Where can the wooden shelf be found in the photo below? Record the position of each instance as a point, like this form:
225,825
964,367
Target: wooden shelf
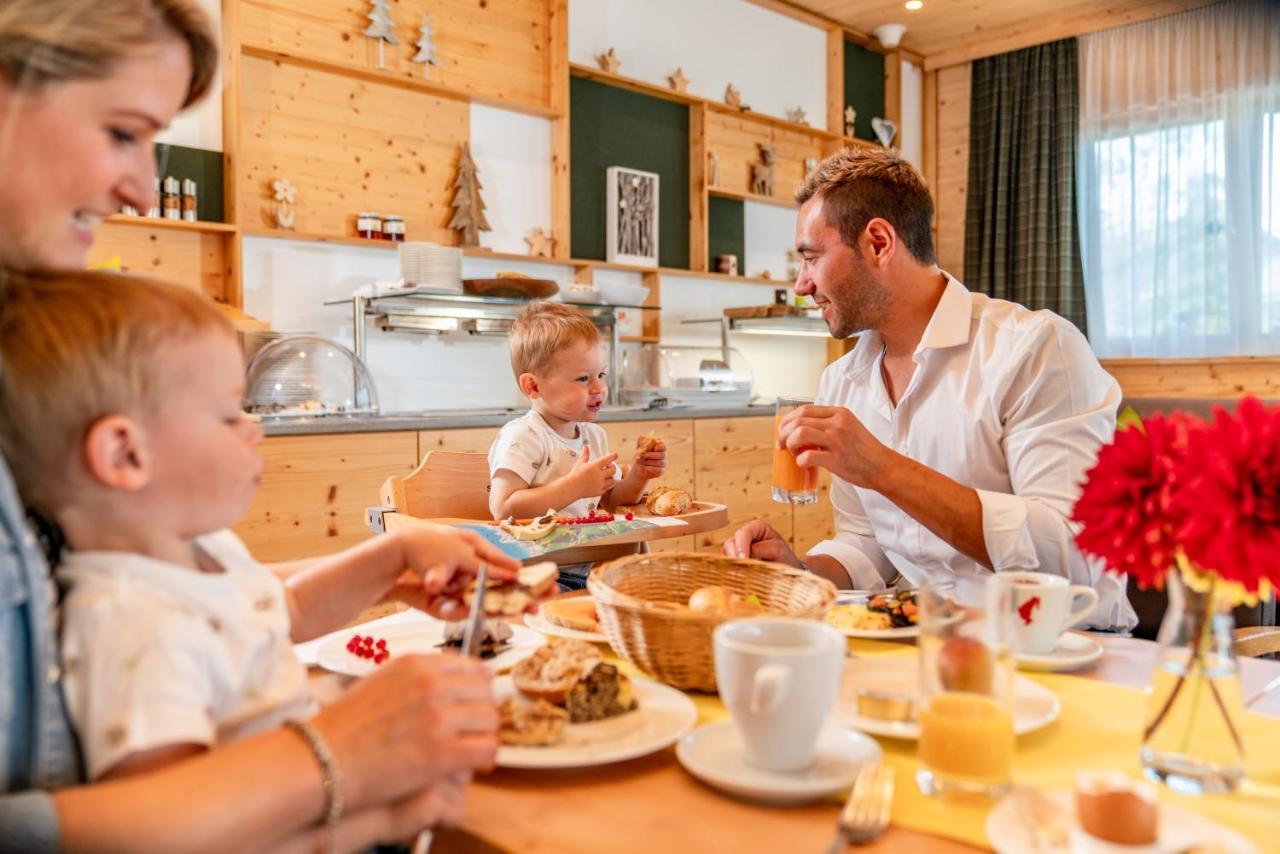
724,277
751,197
373,75
171,224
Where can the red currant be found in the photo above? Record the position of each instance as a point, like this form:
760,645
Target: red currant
629,517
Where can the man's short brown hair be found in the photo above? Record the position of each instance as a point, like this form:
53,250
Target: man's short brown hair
859,184
544,329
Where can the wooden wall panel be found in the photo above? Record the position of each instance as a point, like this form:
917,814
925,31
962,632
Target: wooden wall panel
952,178
474,440
734,466
734,139
1223,377
348,145
495,50
195,259
315,490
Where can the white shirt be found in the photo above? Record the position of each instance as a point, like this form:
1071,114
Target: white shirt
156,654
539,455
1007,401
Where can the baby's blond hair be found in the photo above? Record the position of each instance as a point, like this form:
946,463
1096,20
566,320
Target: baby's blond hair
76,346
544,329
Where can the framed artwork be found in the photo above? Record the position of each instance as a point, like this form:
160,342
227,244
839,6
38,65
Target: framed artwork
631,235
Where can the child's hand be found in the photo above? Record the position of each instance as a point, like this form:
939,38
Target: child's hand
592,477
439,564
653,463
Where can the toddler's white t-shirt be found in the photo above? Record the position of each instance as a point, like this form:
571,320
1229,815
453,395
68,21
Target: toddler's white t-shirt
538,454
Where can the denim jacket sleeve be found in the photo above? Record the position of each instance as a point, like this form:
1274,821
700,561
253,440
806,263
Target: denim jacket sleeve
38,752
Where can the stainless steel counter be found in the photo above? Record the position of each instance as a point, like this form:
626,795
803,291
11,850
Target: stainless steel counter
461,418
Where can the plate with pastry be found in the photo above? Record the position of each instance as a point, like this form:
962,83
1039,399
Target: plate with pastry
573,616
891,615
564,706
358,653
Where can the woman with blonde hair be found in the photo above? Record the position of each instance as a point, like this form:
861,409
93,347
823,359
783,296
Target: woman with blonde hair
85,85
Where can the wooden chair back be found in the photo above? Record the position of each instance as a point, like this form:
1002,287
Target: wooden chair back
1257,640
446,484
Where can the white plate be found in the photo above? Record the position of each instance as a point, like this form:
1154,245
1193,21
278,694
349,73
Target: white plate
1180,830
539,623
1034,706
713,754
860,597
663,717
412,638
1072,652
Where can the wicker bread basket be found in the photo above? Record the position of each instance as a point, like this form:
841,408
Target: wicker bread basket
641,601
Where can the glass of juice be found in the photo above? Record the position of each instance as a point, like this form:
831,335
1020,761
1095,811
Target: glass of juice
792,483
966,687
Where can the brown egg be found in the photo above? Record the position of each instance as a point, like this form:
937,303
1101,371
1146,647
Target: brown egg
1114,809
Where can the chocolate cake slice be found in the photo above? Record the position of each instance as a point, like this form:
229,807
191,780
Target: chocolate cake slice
601,693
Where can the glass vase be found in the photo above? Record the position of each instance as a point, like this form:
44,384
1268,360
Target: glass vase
1191,740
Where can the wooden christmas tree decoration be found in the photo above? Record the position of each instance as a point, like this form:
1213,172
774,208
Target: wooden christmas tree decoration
678,81
468,208
609,61
426,48
539,242
381,27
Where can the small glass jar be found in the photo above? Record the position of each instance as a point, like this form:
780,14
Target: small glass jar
188,200
171,198
369,225
393,228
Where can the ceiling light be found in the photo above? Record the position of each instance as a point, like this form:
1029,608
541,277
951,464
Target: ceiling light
913,5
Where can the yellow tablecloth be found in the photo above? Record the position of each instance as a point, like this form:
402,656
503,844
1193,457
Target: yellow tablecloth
1099,728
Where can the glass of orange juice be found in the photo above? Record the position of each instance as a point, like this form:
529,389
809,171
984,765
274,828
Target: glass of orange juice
792,483
966,686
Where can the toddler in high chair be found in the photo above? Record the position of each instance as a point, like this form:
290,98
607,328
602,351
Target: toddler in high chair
120,415
555,456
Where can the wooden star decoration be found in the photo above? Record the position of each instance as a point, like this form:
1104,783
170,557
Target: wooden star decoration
678,81
609,61
797,116
540,242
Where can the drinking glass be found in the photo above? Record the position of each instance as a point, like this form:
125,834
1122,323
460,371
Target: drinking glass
966,686
792,483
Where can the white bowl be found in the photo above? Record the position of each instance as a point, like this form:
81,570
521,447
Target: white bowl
585,295
619,293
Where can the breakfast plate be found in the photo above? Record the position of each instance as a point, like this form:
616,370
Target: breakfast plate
420,636
714,755
1011,830
1071,652
664,715
850,614
1034,706
539,623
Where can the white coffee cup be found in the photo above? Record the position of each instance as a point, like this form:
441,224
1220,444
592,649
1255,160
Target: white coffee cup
779,678
1043,603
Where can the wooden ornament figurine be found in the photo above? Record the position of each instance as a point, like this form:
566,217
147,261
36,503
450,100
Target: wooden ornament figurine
797,116
762,172
609,61
285,195
678,81
849,115
468,208
426,47
381,27
733,98
539,242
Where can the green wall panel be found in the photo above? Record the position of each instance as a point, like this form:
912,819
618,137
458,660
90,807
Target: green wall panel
613,127
726,232
863,87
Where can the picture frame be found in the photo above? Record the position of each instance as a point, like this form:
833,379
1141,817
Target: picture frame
631,234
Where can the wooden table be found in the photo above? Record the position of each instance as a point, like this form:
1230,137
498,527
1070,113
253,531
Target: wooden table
652,804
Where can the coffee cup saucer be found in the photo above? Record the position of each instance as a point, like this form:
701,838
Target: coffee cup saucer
714,754
1071,652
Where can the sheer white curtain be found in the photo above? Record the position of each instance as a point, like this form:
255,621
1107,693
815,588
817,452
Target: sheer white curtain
1179,183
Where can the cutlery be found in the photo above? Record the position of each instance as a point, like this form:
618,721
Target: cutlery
1266,689
866,813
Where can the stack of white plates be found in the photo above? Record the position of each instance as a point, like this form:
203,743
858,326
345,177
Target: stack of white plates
430,265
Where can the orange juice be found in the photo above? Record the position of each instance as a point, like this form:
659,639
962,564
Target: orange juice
967,738
792,483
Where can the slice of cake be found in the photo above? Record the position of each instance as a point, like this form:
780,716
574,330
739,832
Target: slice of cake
601,693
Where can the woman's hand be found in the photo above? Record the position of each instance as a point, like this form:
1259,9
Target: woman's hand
439,564
417,722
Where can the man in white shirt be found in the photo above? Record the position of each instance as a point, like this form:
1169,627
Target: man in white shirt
959,428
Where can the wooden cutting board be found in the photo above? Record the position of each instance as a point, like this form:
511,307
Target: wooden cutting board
511,287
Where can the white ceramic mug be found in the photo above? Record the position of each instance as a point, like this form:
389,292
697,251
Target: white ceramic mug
1043,604
779,678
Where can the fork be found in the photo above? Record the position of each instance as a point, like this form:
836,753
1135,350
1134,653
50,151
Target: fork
866,813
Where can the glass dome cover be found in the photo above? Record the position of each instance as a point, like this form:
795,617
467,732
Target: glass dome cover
309,376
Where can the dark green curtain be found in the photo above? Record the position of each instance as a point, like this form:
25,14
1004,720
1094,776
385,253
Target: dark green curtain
1022,240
